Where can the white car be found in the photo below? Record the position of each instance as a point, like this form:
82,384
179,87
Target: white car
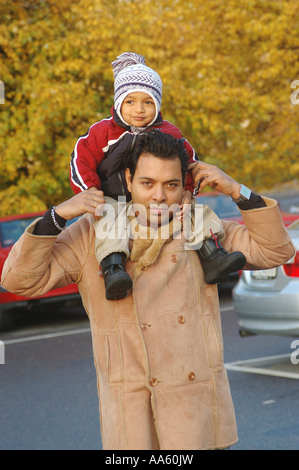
267,301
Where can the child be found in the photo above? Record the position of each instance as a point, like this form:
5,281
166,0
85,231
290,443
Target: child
99,161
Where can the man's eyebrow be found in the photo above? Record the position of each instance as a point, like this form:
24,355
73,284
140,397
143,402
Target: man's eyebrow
173,180
145,178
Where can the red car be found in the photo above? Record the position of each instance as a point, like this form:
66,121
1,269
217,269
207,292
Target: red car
11,228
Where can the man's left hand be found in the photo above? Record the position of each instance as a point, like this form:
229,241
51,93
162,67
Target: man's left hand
211,175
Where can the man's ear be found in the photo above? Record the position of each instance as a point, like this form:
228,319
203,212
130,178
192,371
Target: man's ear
128,179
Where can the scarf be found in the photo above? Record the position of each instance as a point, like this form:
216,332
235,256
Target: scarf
148,242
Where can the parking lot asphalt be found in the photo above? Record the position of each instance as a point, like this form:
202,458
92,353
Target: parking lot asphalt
48,390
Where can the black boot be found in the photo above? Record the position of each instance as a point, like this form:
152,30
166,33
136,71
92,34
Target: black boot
117,281
217,263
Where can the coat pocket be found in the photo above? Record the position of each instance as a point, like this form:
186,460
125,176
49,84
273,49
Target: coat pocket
113,358
107,357
213,342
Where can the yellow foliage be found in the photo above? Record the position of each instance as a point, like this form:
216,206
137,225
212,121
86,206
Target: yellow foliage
227,69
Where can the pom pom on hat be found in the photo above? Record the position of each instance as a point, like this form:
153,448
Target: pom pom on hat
126,60
132,75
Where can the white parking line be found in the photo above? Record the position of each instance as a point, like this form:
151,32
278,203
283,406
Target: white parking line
47,336
252,366
227,308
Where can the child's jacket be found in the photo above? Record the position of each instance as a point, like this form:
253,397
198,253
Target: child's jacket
99,157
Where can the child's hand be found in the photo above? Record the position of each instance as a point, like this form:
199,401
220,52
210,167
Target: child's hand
100,208
185,204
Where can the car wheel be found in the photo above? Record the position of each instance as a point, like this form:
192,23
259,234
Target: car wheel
6,321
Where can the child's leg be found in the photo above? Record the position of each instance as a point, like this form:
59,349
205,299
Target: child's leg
112,248
199,224
111,230
216,262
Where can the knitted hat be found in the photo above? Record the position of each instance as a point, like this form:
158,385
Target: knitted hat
132,75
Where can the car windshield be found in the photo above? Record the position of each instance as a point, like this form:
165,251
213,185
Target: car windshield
222,205
11,230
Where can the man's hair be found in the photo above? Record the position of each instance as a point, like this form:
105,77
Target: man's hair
160,145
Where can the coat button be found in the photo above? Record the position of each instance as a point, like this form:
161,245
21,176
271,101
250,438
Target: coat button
144,326
181,319
174,258
153,382
191,376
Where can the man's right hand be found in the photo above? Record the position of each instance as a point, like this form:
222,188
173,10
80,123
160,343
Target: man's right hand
86,201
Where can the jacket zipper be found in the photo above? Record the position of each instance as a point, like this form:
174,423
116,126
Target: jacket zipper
121,182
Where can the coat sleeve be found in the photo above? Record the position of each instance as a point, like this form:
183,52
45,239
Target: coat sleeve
37,264
85,160
263,238
192,158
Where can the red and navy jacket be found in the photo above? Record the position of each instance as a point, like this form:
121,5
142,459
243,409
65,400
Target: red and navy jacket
99,155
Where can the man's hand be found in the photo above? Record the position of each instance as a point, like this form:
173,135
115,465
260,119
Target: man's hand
211,175
86,201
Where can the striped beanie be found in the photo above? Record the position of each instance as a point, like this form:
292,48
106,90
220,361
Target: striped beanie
132,75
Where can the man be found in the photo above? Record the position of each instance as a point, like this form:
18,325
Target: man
158,352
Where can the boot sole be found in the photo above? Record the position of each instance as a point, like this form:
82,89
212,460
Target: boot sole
118,286
215,278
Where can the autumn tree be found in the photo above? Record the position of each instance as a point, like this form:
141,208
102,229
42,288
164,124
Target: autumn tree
227,69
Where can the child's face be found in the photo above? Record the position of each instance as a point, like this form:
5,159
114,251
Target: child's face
138,109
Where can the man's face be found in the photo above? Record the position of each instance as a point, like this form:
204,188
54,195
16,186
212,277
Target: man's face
138,109
156,186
